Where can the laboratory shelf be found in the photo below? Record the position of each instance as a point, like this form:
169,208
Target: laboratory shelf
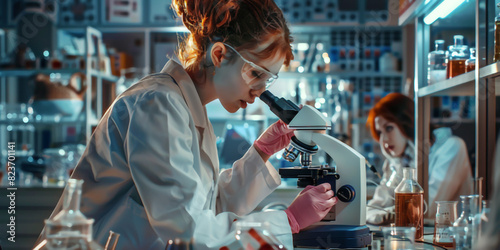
104,76
29,72
339,74
45,122
490,71
461,85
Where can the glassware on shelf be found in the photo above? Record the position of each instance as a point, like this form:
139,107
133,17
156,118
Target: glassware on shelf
69,229
24,58
128,77
496,56
445,216
319,64
470,64
56,61
437,63
456,56
56,171
410,203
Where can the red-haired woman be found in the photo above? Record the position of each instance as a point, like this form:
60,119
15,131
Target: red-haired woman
391,123
151,171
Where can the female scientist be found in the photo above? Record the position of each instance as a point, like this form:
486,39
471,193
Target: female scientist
391,123
151,171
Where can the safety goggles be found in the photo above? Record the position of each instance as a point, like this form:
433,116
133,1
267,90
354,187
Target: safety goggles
255,76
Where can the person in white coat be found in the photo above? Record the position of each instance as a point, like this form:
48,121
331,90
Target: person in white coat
391,123
151,171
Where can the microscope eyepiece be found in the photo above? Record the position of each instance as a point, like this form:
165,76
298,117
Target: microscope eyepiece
284,109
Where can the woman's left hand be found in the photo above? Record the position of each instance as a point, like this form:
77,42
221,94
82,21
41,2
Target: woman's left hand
275,138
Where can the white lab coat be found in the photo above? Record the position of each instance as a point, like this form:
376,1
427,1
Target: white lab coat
450,176
156,144
450,173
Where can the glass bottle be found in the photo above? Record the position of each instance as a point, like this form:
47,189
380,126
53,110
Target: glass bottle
496,56
456,56
445,216
410,203
437,63
462,226
55,62
470,64
69,229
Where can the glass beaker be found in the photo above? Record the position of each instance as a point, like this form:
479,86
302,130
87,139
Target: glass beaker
396,238
445,216
410,203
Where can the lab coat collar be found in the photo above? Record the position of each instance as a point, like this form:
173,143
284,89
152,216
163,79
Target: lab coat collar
441,135
183,80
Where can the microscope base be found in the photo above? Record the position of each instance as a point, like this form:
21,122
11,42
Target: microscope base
333,236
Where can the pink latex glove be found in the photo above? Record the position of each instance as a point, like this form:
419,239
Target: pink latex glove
275,138
310,206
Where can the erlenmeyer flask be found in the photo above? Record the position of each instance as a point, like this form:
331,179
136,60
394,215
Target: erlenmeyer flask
69,229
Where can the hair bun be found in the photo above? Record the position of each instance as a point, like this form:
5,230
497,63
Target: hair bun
204,17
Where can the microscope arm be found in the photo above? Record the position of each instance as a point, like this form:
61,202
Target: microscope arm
351,168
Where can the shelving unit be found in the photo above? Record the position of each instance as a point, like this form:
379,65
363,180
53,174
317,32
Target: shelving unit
482,84
31,122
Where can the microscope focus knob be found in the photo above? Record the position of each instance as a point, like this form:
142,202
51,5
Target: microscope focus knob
346,193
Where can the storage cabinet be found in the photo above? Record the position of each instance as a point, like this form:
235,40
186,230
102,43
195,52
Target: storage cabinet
474,19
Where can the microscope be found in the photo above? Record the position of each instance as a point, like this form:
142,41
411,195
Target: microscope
345,225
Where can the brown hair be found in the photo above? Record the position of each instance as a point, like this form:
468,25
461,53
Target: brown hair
397,108
244,24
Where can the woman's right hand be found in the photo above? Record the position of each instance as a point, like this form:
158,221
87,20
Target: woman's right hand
310,206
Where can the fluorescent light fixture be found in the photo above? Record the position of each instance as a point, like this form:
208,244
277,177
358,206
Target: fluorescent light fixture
442,10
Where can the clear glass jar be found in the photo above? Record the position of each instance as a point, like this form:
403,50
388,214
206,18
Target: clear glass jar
436,68
410,203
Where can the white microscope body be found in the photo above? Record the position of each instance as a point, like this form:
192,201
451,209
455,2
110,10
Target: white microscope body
345,225
311,127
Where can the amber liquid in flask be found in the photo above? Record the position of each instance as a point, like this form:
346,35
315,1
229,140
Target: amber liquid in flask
409,212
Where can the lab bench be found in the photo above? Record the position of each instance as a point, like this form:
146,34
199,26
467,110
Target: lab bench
32,205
